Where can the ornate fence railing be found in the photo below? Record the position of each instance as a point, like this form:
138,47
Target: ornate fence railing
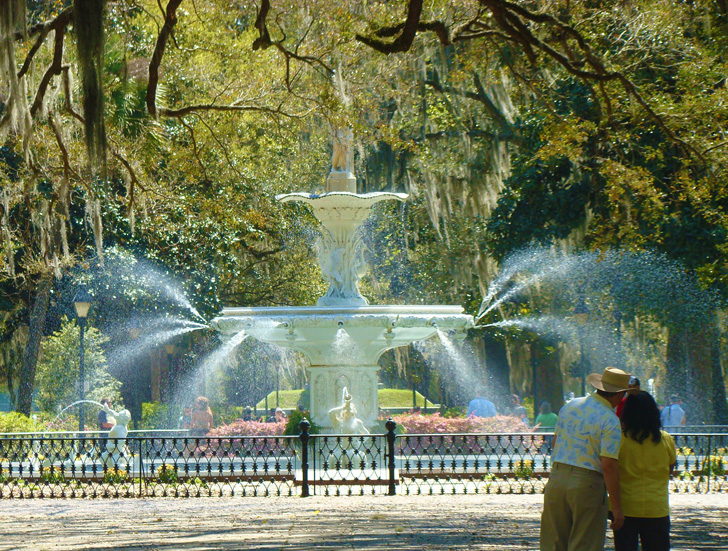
182,466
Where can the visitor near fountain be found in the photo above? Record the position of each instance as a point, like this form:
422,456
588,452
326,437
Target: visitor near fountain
103,423
517,410
585,471
634,388
481,407
673,416
646,459
201,418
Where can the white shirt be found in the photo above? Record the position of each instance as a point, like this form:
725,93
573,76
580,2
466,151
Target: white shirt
672,416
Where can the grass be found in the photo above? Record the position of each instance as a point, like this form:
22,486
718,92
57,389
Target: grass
388,398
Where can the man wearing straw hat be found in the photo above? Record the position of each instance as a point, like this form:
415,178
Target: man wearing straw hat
584,468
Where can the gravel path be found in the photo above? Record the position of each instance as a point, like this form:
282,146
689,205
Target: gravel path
397,523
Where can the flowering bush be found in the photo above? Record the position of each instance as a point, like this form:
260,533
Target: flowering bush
436,424
249,428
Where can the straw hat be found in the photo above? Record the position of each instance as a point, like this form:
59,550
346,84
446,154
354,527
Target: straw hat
611,380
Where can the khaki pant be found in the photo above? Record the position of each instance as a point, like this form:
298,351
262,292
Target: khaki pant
575,510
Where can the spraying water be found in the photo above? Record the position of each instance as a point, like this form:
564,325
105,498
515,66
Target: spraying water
75,404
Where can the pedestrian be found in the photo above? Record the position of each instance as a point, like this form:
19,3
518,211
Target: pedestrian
646,459
201,419
634,387
104,425
517,410
673,416
481,407
584,472
546,421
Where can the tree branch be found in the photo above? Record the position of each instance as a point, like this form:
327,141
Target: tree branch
170,20
407,35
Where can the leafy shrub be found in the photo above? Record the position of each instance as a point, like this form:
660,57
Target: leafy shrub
294,421
167,474
714,465
154,415
17,422
523,468
116,476
4,476
52,475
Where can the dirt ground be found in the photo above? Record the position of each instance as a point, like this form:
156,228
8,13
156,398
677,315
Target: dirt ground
422,523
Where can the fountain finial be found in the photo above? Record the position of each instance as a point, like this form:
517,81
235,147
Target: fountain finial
341,177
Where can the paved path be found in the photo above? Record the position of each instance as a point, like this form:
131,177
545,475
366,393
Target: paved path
398,523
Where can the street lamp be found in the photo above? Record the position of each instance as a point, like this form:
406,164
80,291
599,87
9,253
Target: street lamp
82,303
134,333
581,313
169,348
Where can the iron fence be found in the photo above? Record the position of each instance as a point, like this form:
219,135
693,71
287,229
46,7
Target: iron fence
46,466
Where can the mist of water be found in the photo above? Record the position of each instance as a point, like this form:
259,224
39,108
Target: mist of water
343,346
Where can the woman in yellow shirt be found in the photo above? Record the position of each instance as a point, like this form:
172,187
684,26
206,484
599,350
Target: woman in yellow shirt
646,458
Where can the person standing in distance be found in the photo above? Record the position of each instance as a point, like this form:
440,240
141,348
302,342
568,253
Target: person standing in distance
673,416
584,470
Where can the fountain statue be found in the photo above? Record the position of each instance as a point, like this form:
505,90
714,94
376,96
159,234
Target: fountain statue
344,419
116,450
343,336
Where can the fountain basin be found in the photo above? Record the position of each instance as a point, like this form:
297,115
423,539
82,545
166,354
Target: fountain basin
343,344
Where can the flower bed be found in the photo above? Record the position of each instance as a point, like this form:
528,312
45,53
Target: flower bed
414,423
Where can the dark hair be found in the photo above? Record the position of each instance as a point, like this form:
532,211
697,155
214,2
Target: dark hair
545,407
641,417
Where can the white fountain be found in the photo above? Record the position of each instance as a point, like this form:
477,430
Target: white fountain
343,336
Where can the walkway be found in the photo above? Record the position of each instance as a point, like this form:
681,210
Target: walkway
398,523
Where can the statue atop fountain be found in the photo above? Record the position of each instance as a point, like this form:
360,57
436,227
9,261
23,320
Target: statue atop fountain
344,419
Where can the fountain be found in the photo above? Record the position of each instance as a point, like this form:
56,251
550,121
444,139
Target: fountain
343,336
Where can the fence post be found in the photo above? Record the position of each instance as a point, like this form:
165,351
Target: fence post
304,425
710,465
391,425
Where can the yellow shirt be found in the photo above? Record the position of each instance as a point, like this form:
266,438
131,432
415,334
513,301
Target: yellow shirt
644,471
586,431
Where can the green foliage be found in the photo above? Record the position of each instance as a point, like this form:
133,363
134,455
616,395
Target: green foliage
116,476
294,421
523,468
17,422
154,416
52,475
58,370
167,474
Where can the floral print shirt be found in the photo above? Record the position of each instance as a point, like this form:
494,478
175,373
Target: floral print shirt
586,431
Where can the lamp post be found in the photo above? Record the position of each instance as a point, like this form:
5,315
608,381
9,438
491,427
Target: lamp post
169,348
581,313
134,333
82,303
278,384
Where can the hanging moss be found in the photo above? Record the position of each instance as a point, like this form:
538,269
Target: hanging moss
89,19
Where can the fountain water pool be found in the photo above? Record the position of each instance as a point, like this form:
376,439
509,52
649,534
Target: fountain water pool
316,331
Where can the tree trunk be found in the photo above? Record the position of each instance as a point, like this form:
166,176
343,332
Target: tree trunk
497,367
26,382
691,373
548,381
